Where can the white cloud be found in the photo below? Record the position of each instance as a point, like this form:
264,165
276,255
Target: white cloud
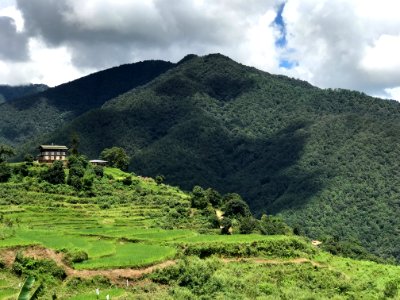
343,43
393,93
346,44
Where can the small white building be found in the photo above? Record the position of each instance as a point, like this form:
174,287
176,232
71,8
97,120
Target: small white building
98,162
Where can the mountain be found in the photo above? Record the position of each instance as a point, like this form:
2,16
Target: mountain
8,92
28,117
325,160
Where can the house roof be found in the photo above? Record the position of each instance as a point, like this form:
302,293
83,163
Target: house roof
53,147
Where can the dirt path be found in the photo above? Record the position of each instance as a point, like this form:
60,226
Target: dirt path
115,275
119,276
300,260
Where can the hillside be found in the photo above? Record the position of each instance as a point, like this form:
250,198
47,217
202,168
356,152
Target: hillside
324,159
143,240
26,118
8,92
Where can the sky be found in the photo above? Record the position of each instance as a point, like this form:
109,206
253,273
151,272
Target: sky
351,44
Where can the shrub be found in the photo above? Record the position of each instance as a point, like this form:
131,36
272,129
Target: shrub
127,180
5,172
160,179
192,273
391,289
226,224
198,199
55,174
272,225
247,225
235,206
74,256
37,267
98,171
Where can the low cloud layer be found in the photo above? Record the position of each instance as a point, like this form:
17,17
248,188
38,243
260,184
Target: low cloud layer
339,44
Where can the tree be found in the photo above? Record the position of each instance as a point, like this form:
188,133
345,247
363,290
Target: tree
236,206
55,174
28,159
198,199
213,197
272,225
74,143
6,152
116,157
160,179
5,172
77,166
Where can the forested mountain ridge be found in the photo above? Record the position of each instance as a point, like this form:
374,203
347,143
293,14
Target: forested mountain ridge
9,92
27,117
324,159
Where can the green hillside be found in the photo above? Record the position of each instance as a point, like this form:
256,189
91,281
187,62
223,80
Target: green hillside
140,239
26,118
324,159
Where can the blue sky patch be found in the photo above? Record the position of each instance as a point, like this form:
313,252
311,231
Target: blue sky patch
280,24
281,41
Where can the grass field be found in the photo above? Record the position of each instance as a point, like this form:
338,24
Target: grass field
147,223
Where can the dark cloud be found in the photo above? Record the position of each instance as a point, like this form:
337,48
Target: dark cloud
13,44
104,33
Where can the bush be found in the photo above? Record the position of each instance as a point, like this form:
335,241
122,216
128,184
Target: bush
98,171
247,225
391,289
235,206
74,256
198,199
226,224
37,267
55,174
271,225
127,180
192,273
5,172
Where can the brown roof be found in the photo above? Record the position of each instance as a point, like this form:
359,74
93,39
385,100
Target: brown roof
53,147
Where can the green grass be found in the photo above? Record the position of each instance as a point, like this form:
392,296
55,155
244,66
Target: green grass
113,293
235,238
130,232
8,293
129,255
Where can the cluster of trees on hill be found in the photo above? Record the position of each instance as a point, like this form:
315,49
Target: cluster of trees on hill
235,213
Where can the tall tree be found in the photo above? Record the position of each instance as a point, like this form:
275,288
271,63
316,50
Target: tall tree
116,157
6,152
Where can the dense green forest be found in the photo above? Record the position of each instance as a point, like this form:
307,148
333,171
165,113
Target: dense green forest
325,160
26,118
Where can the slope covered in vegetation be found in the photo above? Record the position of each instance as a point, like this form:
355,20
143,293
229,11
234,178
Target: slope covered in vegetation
141,239
28,117
324,159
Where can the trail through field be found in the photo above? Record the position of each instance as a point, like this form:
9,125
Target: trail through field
115,275
300,260
119,276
